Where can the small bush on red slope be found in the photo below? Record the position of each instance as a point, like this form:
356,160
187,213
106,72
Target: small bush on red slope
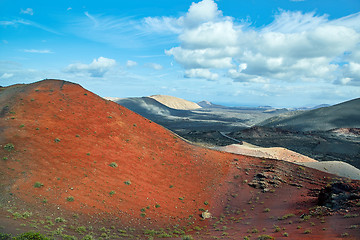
265,237
70,199
187,237
9,146
59,219
113,164
31,236
38,185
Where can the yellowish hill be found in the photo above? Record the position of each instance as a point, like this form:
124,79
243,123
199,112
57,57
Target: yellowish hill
174,102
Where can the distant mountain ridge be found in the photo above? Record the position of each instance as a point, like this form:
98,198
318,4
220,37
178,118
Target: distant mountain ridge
343,115
208,104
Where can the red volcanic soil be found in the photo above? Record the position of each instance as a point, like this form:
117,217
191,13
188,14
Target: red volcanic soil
67,153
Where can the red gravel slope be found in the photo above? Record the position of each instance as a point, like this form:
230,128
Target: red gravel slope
93,157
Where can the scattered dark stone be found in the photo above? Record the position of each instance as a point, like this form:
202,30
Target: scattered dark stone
338,195
4,111
264,179
295,184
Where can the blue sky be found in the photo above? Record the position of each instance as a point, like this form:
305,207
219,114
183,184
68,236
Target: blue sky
284,53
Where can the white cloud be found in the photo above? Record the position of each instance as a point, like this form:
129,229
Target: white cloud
163,24
7,23
124,32
210,35
154,66
37,51
97,68
130,64
203,58
202,12
294,47
201,73
29,11
291,22
17,22
351,74
6,75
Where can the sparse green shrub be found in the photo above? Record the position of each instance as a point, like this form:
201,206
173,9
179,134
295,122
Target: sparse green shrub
264,237
267,210
38,185
286,216
26,214
277,229
187,237
57,140
128,182
113,164
345,234
143,214
285,234
181,198
17,215
157,205
197,228
4,236
22,125
81,229
307,231
112,193
9,146
31,236
70,199
59,219
68,237
351,215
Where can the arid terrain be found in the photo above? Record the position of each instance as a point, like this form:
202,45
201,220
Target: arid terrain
76,166
325,134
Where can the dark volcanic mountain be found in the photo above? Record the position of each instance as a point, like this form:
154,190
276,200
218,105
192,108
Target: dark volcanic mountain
343,115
